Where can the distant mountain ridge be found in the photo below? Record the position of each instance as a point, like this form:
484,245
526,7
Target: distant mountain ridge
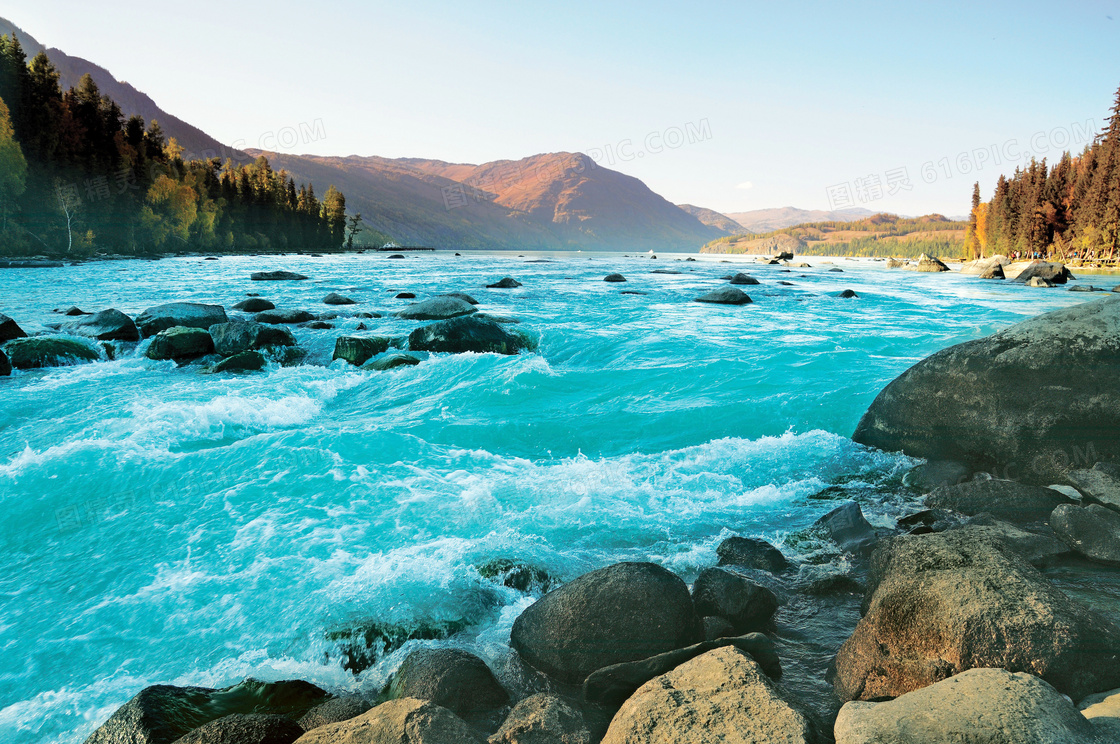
714,219
765,220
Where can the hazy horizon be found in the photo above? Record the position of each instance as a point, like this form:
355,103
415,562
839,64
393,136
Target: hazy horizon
817,108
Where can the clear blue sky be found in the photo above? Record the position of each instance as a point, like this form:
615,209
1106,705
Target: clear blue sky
785,99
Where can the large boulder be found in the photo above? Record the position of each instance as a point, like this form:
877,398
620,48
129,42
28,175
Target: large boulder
506,283
244,361
1037,548
1093,531
461,296
1024,403
978,706
245,335
943,603
543,719
743,603
334,298
467,334
9,329
725,296
1100,484
455,679
107,325
281,317
181,314
1019,503
930,264
437,308
620,613
254,305
180,343
612,685
276,276
849,529
162,714
615,278
239,728
751,552
1050,272
980,266
721,696
743,279
48,351
995,272
404,721
358,350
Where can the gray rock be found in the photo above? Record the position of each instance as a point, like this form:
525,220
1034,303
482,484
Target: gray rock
721,696
935,474
238,728
437,308
507,283
47,351
333,711
995,272
392,361
180,343
612,685
336,299
246,335
732,596
981,266
942,603
978,706
452,678
930,264
245,361
893,263
276,276
107,325
359,349
1037,549
743,279
716,628
9,329
405,721
543,719
849,529
254,305
751,552
614,278
1101,484
1038,281
1103,711
1047,272
967,403
1019,503
1093,531
620,613
179,314
461,296
280,317
725,296
467,334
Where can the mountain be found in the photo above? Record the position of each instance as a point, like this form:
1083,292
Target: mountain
132,102
714,219
552,201
765,220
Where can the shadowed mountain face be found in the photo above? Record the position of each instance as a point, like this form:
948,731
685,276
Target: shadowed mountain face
714,219
132,102
552,201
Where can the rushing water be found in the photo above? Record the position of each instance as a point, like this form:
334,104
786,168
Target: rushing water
159,525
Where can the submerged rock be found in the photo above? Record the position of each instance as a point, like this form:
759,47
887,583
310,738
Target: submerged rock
968,403
743,603
743,279
238,728
944,603
361,644
452,678
276,276
282,317
254,305
180,343
392,361
48,351
336,299
179,314
721,696
524,577
620,613
437,308
507,283
359,349
107,325
978,706
461,296
543,719
847,294
849,529
1093,531
9,329
246,335
614,278
751,552
245,361
725,296
74,311
467,334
